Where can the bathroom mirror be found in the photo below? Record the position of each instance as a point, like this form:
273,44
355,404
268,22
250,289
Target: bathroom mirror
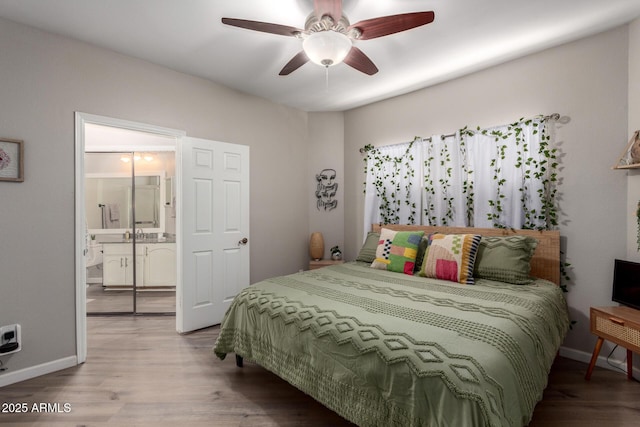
108,199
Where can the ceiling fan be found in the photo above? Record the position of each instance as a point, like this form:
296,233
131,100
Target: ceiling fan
327,37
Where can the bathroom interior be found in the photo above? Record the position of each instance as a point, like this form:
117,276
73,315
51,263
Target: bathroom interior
130,209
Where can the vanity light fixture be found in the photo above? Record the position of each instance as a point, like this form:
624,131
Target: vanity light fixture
146,156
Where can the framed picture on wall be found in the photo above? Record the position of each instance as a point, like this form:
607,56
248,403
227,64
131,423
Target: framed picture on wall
11,160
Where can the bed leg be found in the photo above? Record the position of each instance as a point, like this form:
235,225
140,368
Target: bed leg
238,361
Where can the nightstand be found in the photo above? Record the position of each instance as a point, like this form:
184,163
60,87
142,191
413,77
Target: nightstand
313,264
620,325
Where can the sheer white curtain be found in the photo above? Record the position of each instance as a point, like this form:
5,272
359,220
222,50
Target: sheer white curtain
497,177
393,184
444,177
507,171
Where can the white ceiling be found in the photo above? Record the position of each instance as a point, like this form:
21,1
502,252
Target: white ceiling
187,35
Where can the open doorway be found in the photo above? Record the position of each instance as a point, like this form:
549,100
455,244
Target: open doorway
110,141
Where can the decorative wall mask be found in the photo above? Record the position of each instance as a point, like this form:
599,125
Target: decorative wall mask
327,189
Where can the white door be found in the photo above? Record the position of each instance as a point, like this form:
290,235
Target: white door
213,233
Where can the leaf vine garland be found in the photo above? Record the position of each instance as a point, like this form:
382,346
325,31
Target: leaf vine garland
393,183
542,169
538,171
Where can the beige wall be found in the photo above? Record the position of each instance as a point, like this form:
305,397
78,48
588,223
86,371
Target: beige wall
43,80
633,176
326,133
634,76
586,81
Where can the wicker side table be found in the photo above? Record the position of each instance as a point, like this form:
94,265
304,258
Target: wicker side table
620,325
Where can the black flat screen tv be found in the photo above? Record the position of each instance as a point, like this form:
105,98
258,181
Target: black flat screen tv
626,283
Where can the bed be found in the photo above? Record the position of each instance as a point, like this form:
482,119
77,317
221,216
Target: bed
385,348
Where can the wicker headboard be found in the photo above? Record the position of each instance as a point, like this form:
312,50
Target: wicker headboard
545,263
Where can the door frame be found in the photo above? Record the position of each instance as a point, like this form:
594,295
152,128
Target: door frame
81,119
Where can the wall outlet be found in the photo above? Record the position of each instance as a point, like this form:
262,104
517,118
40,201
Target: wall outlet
10,339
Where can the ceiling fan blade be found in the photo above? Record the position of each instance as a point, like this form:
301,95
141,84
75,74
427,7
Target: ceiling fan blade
332,8
385,25
296,62
361,62
265,27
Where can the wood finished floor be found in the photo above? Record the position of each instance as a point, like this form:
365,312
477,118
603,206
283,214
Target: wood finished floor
139,372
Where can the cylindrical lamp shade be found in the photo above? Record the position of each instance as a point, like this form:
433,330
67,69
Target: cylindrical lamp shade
316,246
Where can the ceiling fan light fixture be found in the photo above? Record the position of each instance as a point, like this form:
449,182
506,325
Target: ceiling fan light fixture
327,48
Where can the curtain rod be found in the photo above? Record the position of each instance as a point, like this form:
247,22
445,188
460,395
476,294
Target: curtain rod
553,116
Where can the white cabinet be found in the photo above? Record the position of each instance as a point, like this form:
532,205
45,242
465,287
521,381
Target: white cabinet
118,265
155,264
159,264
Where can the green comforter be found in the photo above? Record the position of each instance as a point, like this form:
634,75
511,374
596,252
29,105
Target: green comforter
387,349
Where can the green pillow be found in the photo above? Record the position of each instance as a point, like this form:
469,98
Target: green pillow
505,259
368,250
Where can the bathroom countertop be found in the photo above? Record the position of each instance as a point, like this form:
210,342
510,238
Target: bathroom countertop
151,240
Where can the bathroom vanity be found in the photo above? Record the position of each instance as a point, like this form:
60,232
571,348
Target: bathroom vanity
155,264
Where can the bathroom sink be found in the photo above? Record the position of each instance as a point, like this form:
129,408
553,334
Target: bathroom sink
154,239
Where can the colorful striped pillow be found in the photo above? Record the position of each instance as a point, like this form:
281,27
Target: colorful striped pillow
451,257
397,250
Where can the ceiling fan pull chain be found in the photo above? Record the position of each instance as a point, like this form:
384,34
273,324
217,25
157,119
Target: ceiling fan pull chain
326,78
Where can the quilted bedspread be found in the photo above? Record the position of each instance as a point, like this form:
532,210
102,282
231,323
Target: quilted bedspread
388,349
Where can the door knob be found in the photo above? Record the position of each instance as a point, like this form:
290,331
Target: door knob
243,242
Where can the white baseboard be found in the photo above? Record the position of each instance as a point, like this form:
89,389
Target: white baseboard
582,356
38,370
578,355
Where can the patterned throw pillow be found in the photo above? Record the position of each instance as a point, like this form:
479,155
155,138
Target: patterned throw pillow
505,259
397,251
451,257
